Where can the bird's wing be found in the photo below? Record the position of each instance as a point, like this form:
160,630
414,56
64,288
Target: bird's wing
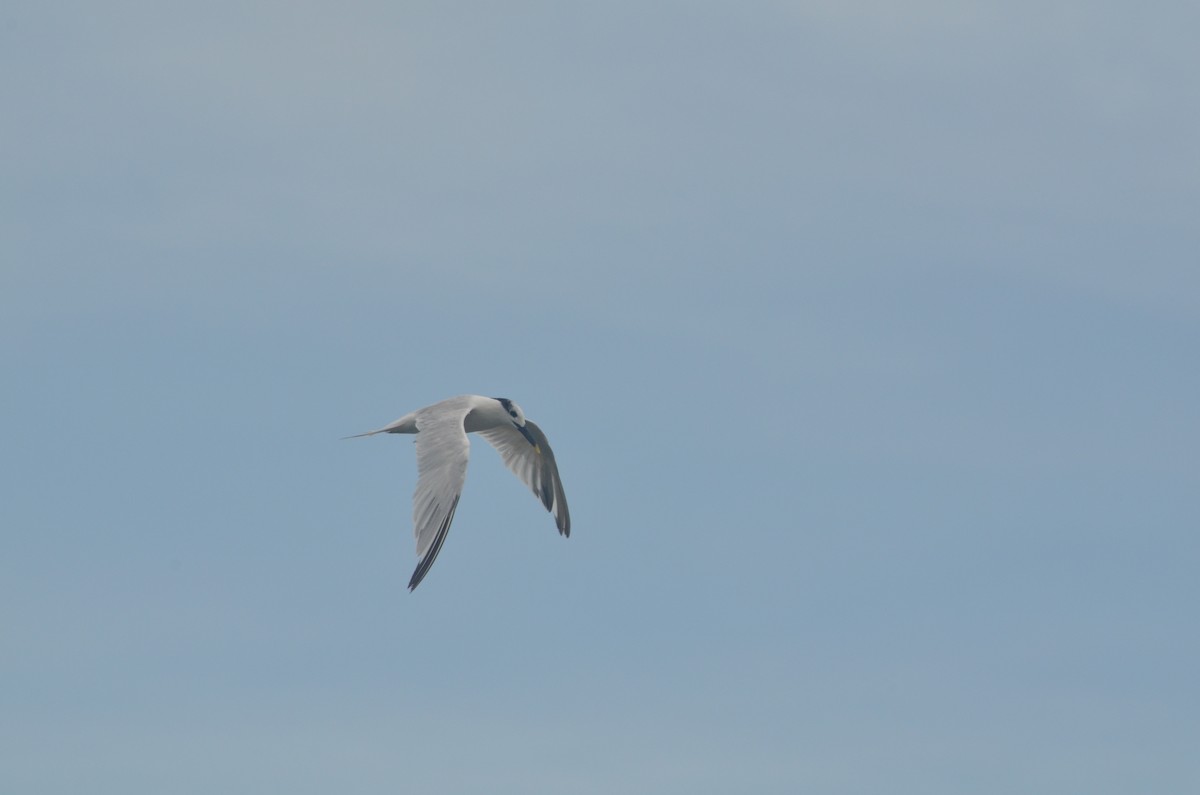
442,454
534,466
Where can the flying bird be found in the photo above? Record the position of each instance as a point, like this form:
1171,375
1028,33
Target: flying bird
442,453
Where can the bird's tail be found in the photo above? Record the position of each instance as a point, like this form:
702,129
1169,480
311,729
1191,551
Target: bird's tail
368,433
406,424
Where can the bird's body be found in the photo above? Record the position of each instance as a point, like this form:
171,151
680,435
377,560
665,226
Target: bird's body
442,454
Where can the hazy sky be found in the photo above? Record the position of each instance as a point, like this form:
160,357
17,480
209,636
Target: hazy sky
866,335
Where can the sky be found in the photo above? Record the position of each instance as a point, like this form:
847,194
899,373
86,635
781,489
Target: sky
865,335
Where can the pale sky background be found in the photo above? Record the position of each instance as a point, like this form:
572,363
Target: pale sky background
866,334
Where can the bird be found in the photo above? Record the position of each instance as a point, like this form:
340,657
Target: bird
442,452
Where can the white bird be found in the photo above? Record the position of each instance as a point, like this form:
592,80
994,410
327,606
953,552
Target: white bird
442,453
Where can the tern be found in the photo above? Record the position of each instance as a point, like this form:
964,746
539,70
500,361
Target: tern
442,453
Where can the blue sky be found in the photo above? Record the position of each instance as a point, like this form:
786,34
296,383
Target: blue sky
865,335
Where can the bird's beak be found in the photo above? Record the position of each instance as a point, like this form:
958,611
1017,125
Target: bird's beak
528,437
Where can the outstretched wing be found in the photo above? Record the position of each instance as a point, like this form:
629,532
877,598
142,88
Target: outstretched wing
442,454
534,466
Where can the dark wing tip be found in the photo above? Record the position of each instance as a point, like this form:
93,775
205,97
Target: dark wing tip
430,554
562,515
563,518
547,485
551,495
419,573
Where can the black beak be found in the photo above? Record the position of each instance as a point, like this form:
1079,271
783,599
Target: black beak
528,436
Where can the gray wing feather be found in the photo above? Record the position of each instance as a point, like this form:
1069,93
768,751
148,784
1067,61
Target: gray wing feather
538,471
442,455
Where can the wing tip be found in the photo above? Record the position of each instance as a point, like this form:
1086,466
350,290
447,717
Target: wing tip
426,561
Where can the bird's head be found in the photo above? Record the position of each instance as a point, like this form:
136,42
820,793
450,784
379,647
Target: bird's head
517,417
